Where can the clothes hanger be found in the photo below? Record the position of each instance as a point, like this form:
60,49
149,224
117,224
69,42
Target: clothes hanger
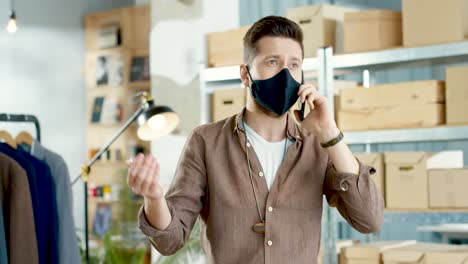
7,138
24,138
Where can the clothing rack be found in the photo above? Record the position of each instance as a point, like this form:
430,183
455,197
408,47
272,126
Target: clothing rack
23,119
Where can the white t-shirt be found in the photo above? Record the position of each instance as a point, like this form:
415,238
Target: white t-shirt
270,154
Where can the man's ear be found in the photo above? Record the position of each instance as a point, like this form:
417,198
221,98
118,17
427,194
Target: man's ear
244,75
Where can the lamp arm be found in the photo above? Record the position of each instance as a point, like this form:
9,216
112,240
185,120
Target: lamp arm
86,167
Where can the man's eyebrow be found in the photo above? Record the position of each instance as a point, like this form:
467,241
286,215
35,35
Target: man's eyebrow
272,56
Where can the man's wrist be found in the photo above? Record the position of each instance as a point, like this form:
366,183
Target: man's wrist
328,134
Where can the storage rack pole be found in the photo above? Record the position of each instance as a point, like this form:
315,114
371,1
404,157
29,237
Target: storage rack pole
23,119
325,82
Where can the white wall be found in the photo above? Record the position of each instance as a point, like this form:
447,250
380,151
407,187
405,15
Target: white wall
41,73
178,47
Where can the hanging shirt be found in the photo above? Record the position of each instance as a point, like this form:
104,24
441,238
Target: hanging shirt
17,209
270,154
48,247
68,250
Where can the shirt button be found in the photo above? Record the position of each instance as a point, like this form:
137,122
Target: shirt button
248,145
344,186
270,243
270,209
260,174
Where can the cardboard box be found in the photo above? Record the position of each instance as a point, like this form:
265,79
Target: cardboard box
227,102
412,116
406,180
457,255
376,161
371,253
428,22
322,25
372,30
393,94
427,253
457,95
447,188
226,48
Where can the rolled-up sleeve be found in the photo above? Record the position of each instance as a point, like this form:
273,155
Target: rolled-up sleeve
356,197
185,198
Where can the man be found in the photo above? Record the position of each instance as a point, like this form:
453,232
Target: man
257,179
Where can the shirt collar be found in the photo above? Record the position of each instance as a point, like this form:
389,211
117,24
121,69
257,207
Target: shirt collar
293,131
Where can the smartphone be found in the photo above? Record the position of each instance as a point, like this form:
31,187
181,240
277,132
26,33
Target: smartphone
302,113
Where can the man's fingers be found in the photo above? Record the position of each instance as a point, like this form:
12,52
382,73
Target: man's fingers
134,169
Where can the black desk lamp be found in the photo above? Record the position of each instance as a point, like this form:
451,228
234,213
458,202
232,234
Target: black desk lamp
153,122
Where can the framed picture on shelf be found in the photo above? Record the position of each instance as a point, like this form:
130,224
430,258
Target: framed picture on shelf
109,70
102,70
140,70
109,37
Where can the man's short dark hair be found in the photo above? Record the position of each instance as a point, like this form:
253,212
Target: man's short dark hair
271,26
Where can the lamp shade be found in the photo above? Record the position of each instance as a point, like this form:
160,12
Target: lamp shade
156,121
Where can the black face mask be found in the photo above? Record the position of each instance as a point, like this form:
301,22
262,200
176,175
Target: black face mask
276,94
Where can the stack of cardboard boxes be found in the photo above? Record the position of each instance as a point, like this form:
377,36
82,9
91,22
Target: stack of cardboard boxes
420,22
420,180
406,105
404,252
410,104
398,105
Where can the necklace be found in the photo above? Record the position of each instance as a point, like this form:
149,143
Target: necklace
259,227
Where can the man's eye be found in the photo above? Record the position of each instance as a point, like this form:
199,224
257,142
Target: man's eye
273,62
295,65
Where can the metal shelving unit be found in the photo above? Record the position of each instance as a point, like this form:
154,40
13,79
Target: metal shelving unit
327,65
381,60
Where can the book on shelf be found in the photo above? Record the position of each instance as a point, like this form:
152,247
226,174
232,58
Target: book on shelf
107,110
140,70
97,109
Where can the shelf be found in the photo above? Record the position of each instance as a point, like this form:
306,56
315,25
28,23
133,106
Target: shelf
108,163
146,85
400,55
227,73
102,200
101,125
445,228
428,210
442,133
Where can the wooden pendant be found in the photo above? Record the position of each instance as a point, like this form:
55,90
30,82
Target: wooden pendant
259,228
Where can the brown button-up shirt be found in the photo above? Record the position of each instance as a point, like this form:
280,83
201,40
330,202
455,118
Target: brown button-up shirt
212,181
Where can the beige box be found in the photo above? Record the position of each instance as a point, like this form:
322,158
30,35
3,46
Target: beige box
322,25
457,255
428,22
406,176
372,30
457,95
375,160
447,188
370,253
227,102
424,253
412,116
393,94
226,48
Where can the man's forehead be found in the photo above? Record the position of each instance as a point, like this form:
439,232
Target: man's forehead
279,46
